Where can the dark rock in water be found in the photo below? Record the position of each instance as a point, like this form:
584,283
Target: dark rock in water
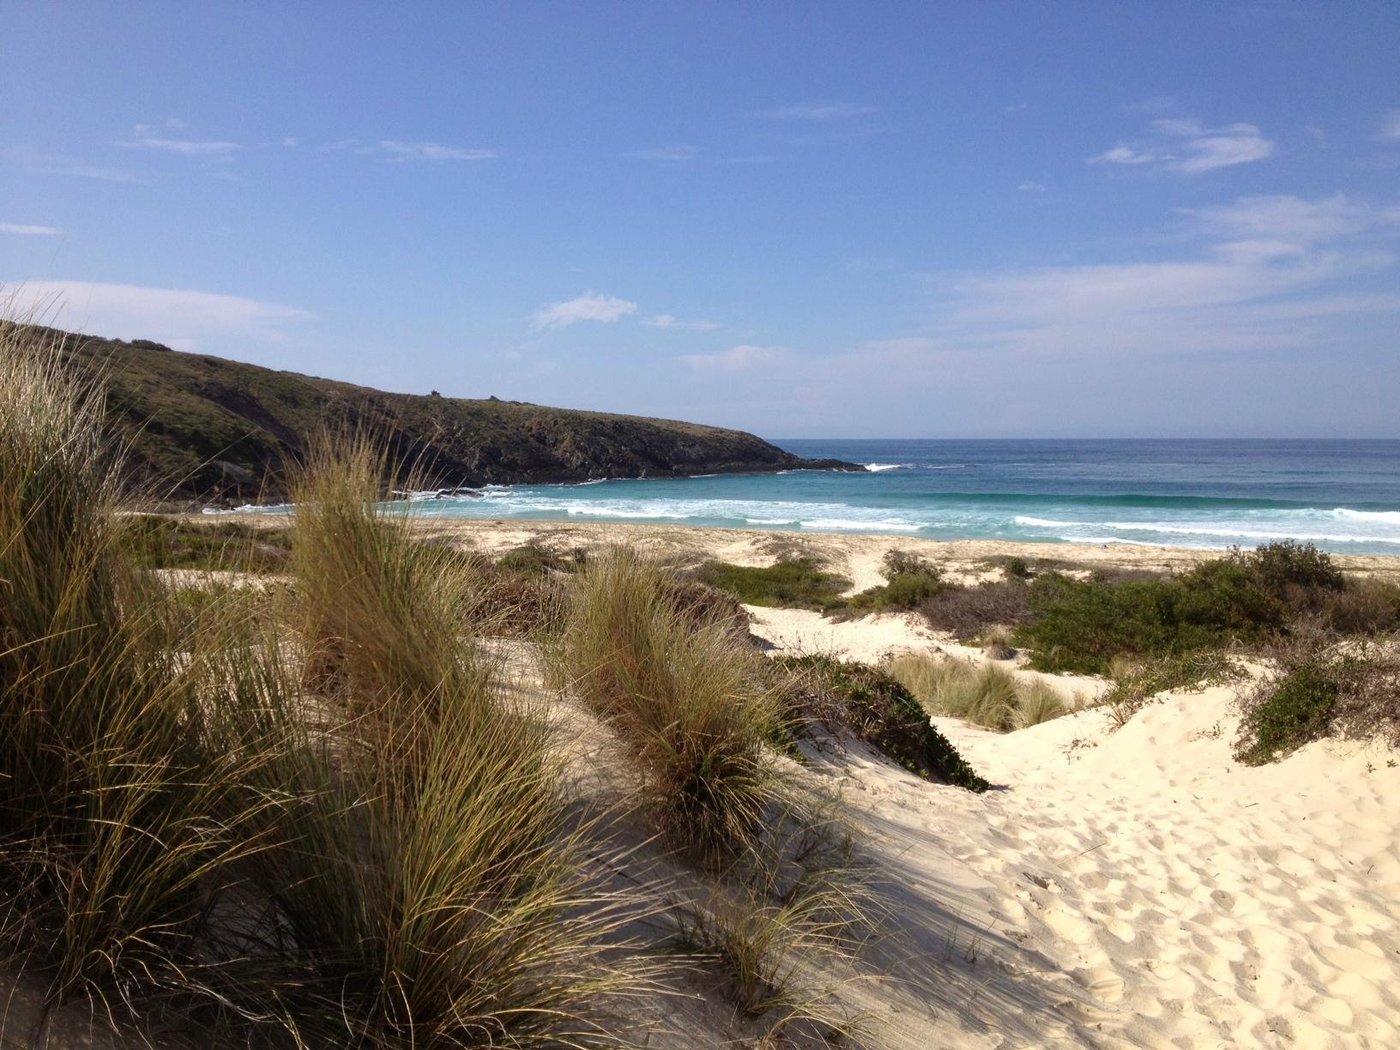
203,428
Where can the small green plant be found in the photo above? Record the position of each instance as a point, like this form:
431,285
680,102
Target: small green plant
1135,684
792,583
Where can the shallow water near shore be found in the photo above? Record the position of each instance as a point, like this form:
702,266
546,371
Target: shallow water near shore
1343,496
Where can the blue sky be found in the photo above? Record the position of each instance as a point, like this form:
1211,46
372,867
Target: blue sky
835,219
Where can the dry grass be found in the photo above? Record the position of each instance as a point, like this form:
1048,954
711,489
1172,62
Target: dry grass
988,695
186,839
690,704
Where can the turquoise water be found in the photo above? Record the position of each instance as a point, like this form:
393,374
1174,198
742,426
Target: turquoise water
1343,496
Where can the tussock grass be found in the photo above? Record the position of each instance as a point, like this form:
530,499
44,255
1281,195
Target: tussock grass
690,704
988,695
119,806
186,837
450,908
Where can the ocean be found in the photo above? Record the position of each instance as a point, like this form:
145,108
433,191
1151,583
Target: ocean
1342,496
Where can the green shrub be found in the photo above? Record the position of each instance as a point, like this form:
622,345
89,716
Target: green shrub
794,583
1285,565
876,708
533,559
910,581
1289,711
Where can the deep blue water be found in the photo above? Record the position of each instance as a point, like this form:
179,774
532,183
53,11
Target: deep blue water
1344,496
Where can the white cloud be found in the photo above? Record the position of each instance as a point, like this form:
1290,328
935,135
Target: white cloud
28,231
1184,145
34,162
820,112
172,316
1019,107
1390,127
1030,187
589,307
396,150
146,137
1124,155
741,358
1294,219
666,154
668,321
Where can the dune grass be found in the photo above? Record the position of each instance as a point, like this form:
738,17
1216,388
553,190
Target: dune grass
187,838
690,704
988,695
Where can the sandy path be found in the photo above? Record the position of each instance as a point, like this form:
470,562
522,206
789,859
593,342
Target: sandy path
1142,889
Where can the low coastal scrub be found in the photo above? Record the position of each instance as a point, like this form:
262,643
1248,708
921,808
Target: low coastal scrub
969,612
1135,684
1316,690
797,582
159,542
909,581
987,696
877,708
1245,598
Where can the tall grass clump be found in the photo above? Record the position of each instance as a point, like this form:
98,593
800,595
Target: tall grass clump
988,695
431,884
689,702
120,817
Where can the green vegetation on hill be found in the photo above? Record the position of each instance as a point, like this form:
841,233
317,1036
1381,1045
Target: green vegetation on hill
201,427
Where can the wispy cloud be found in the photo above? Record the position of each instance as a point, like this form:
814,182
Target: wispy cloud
741,358
1295,220
1030,187
1186,146
820,111
177,317
397,150
32,161
668,321
666,154
1267,273
21,230
1390,127
146,137
588,307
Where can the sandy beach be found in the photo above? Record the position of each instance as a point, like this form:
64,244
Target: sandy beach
1128,888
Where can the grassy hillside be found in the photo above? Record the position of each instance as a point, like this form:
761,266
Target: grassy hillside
205,428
